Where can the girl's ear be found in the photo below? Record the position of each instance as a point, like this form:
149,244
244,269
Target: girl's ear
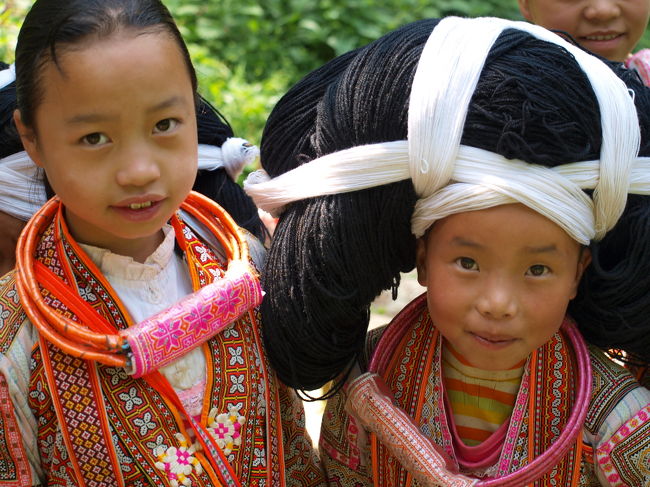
583,262
525,10
28,138
421,260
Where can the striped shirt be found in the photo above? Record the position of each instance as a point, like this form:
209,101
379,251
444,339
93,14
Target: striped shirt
481,400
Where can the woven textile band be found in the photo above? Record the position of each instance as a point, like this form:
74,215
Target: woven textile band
432,154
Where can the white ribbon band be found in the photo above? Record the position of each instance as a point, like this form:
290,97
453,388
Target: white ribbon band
21,190
446,77
7,76
210,158
481,179
233,155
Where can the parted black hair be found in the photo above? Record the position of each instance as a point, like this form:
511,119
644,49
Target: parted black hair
332,255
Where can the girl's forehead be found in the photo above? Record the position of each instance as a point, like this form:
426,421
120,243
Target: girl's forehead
122,46
503,223
115,56
115,76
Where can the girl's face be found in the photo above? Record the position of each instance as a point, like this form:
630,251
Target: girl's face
498,281
609,28
116,135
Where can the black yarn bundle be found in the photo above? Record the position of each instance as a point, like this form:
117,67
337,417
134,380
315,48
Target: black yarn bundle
332,255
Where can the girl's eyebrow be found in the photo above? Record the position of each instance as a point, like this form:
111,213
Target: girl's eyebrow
102,117
543,249
463,242
171,101
89,118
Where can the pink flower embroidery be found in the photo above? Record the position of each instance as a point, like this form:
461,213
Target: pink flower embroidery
178,462
225,428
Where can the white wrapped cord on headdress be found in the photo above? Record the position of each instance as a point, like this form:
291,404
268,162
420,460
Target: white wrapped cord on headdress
21,190
233,155
342,171
7,76
445,79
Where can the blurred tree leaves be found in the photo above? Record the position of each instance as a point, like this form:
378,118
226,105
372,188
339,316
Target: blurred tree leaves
11,16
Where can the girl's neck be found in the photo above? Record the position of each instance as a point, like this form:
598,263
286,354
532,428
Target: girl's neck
137,248
484,374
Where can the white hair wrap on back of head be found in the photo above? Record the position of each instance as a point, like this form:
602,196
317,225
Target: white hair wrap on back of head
450,178
233,155
21,190
7,76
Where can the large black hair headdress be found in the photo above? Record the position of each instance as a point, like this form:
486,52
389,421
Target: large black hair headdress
421,124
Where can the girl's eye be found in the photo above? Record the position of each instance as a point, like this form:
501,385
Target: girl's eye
467,263
96,138
166,125
538,270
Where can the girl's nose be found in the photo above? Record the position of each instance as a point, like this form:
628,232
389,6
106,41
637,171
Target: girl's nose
497,301
602,10
138,167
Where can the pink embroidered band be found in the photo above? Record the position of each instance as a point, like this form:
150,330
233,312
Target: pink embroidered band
369,400
165,337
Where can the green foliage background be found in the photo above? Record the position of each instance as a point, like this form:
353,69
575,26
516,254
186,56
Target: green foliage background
248,53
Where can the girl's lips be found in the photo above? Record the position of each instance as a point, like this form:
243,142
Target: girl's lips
138,211
602,37
142,200
494,343
602,41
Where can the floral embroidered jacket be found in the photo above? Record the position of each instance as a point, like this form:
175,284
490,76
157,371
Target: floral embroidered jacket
129,433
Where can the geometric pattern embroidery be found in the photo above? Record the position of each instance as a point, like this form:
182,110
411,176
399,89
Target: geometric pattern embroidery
405,376
14,468
611,383
11,314
625,457
81,418
556,377
76,394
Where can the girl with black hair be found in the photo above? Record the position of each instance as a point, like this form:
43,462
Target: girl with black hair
221,159
505,164
130,351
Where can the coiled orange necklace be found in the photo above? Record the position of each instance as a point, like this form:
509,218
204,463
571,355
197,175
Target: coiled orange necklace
138,349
